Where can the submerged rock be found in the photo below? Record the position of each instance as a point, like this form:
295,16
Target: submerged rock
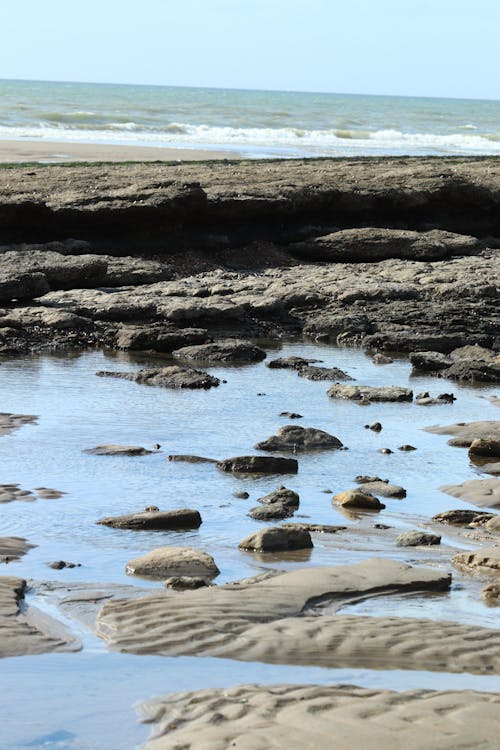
174,561
155,520
289,363
173,376
290,415
118,450
370,393
259,465
277,539
10,422
295,438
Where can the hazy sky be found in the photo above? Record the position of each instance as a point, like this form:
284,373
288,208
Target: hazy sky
408,47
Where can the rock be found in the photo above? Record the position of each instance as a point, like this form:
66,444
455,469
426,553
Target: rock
473,372
381,487
386,451
381,359
461,517
491,594
155,520
370,393
173,376
407,448
11,492
485,561
118,450
492,522
417,539
289,363
365,479
11,422
323,373
60,271
174,561
281,496
426,400
133,271
13,547
295,438
185,583
358,499
159,339
46,493
375,427
231,351
314,528
465,432
484,448
484,493
429,361
259,465
60,564
185,458
290,415
22,286
277,539
241,495
275,511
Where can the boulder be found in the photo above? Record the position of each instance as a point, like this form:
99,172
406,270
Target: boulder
277,539
155,520
323,373
370,393
417,539
273,512
281,496
295,438
222,352
22,286
118,450
173,376
259,465
174,561
358,499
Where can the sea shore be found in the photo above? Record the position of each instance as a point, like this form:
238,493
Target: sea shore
52,152
187,278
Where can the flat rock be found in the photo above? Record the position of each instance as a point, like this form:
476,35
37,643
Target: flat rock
314,528
273,512
189,459
259,465
289,363
277,539
461,517
473,371
429,361
118,450
295,438
230,351
492,522
279,716
10,422
358,499
484,561
485,493
173,376
174,561
158,338
13,547
155,520
369,393
417,539
465,432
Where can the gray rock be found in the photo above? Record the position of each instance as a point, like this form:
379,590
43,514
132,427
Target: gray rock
185,458
231,351
289,363
174,561
483,561
381,359
295,438
381,487
417,539
407,448
173,376
60,564
158,338
259,465
429,361
277,539
370,393
13,547
314,528
117,450
22,286
272,512
323,373
155,520
281,496
462,517
291,415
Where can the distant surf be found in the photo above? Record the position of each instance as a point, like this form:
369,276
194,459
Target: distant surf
251,123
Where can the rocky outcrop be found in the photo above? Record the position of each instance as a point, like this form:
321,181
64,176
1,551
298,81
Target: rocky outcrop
482,561
370,393
484,493
13,548
222,352
294,438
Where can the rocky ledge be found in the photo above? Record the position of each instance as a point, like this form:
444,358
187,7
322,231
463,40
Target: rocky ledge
393,254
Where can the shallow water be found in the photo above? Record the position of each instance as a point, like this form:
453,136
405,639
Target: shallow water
77,410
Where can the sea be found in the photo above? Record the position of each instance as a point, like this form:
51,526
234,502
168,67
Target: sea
253,124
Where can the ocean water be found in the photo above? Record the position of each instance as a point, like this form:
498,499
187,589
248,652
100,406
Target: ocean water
250,123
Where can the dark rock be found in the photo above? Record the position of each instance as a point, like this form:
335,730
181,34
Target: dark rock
289,363
241,495
484,448
290,415
370,393
473,371
181,457
259,465
159,338
381,359
429,361
277,539
22,286
424,399
314,528
185,583
417,539
407,448
294,438
222,352
272,512
60,564
366,479
155,520
386,451
375,427
281,496
173,376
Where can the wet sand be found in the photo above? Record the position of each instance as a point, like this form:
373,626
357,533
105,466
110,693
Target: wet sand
50,152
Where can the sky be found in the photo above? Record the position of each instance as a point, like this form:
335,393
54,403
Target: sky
443,48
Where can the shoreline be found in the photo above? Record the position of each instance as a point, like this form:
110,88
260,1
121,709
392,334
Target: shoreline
59,152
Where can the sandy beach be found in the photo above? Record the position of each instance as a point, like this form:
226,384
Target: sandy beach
48,152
